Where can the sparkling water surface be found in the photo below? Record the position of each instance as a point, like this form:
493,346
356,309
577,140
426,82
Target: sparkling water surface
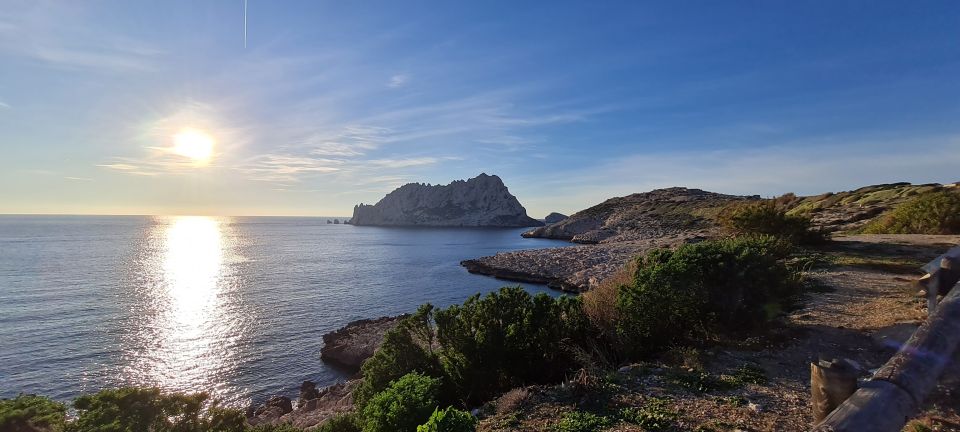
233,306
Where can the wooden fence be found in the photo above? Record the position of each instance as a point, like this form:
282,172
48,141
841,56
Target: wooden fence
897,390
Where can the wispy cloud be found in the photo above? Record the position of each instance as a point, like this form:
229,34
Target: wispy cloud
57,37
398,80
403,163
78,178
286,168
4,105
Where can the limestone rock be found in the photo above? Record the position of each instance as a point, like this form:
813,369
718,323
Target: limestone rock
483,201
554,217
354,343
274,407
641,216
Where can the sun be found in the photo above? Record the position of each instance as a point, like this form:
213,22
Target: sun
194,144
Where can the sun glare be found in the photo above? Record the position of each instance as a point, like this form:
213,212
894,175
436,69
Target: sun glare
194,144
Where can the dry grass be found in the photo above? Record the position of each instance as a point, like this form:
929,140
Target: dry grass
600,303
512,400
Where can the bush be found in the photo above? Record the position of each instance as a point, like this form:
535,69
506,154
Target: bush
341,423
507,339
29,413
449,420
481,348
401,407
147,409
405,349
769,218
930,213
722,284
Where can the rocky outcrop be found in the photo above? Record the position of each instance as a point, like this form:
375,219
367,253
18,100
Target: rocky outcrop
351,345
483,201
574,268
328,402
641,216
554,217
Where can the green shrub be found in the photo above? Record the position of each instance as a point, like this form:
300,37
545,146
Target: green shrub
341,423
767,217
507,339
148,409
405,349
929,213
487,345
401,407
699,288
29,413
582,421
449,420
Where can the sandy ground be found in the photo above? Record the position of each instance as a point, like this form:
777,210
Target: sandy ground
871,306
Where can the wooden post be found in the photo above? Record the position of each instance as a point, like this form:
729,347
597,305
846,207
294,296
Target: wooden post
831,383
898,389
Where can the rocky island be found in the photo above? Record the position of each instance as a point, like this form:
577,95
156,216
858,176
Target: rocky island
482,201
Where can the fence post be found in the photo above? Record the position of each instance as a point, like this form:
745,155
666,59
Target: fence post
831,383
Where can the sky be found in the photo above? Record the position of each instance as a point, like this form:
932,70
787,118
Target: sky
326,104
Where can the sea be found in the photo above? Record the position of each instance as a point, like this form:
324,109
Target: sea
232,306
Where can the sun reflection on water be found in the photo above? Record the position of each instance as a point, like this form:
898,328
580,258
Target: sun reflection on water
187,322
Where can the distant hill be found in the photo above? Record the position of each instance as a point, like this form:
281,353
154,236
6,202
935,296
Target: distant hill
641,216
483,201
672,211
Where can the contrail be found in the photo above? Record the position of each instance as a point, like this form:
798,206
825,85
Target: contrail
244,23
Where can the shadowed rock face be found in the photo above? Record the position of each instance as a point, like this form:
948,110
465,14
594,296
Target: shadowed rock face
483,201
354,343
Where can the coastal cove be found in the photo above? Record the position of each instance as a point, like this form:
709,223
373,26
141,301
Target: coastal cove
233,306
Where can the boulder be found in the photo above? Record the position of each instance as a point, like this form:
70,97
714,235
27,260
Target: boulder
308,392
276,406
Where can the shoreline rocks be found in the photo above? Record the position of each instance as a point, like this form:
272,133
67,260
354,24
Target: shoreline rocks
483,201
349,346
324,404
576,268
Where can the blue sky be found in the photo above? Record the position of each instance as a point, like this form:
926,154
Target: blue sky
335,103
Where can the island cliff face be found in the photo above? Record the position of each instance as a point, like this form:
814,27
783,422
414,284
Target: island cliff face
483,201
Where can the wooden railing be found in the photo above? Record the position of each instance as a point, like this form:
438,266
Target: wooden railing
897,390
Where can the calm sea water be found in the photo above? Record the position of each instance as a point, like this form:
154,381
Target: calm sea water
232,306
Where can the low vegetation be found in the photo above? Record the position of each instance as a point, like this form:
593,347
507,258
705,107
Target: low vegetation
770,217
935,212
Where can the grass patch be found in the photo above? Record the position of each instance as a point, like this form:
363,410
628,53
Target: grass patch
886,264
582,421
655,415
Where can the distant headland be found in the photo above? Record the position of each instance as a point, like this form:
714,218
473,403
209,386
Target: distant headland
482,201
